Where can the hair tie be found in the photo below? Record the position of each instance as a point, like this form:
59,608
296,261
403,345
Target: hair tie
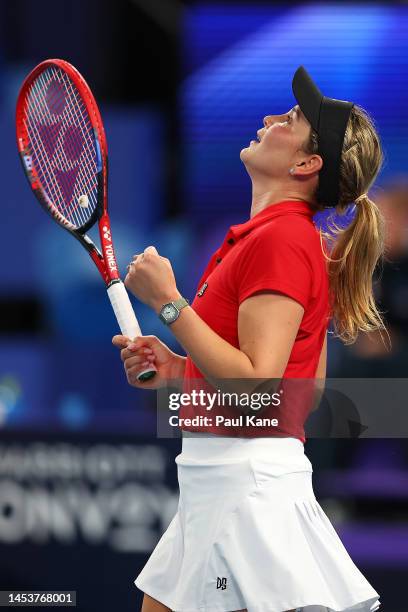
361,197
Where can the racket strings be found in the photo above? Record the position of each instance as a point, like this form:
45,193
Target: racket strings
83,124
63,146
44,147
89,163
52,177
39,152
76,126
67,179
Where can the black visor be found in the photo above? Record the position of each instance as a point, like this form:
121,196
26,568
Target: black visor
328,117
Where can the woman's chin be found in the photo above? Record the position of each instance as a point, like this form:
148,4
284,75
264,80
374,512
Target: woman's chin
246,150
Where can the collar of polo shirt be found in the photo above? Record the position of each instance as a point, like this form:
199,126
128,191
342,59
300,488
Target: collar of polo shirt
270,212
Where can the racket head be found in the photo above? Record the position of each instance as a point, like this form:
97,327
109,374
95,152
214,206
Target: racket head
62,144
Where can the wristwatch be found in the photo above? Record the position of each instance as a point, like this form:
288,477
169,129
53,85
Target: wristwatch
171,311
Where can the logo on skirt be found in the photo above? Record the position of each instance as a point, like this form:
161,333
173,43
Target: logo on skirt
221,583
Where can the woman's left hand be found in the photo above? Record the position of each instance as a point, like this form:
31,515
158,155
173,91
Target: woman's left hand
151,279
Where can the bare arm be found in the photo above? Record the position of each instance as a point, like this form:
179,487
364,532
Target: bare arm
268,323
267,327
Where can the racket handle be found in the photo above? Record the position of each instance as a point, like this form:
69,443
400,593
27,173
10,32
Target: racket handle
126,318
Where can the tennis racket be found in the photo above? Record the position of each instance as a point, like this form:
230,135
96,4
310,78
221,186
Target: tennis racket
63,149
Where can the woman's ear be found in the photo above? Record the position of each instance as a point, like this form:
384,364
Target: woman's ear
317,162
313,164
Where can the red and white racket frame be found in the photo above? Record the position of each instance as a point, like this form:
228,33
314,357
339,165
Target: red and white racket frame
109,272
105,261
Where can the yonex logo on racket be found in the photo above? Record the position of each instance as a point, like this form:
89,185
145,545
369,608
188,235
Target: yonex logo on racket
107,233
110,257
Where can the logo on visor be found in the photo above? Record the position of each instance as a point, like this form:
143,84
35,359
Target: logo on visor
221,583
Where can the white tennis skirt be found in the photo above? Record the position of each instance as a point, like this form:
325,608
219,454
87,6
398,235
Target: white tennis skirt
249,533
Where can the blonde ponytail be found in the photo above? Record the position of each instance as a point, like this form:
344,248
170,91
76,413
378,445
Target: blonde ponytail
355,251
353,258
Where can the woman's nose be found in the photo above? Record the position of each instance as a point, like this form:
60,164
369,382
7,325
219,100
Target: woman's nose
270,119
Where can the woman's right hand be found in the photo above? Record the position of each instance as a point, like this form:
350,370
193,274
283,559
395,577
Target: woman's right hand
149,350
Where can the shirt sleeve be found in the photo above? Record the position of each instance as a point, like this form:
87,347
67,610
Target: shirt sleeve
275,261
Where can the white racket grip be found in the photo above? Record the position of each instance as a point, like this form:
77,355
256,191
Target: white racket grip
123,310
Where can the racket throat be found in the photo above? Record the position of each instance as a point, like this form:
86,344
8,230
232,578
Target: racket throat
108,253
94,254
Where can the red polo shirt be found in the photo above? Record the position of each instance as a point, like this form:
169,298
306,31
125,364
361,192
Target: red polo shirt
279,249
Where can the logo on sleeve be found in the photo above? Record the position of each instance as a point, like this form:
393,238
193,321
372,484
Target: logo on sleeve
202,289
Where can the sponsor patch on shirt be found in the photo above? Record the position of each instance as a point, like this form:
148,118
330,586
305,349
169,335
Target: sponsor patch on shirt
202,289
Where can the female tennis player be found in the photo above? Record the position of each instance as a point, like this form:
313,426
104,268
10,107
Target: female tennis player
249,533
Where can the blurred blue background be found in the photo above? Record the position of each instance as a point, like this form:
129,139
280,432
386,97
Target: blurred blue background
182,87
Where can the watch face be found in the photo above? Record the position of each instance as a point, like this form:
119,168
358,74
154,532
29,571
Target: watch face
169,312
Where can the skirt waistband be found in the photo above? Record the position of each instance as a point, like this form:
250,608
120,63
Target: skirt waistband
203,446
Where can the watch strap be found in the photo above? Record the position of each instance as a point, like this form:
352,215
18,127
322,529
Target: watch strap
181,303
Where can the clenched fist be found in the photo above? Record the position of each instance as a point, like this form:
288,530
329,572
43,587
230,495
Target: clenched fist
151,279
